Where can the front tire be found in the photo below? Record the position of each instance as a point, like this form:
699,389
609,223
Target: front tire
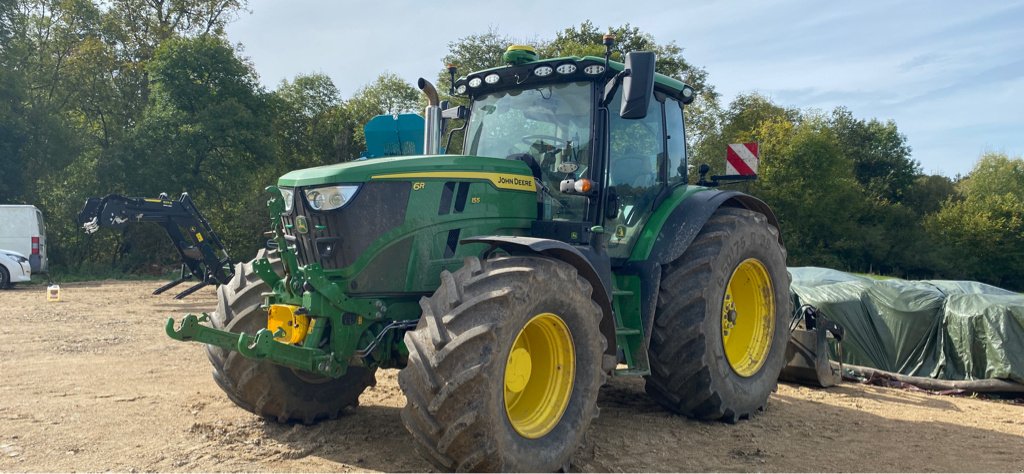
504,366
720,331
267,389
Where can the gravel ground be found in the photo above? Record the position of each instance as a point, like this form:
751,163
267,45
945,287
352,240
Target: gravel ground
92,383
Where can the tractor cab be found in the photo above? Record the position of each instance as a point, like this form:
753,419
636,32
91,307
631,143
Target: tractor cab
601,162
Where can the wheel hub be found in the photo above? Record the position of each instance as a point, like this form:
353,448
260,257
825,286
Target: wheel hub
517,375
748,317
539,375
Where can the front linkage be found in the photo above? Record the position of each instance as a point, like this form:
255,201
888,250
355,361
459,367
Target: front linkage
306,309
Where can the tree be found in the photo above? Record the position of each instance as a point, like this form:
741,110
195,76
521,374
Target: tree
702,115
310,95
13,131
473,53
587,40
206,131
73,99
206,106
388,94
880,154
311,126
928,193
983,230
995,174
809,183
483,51
745,114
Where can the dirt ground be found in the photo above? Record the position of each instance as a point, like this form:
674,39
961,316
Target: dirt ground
92,383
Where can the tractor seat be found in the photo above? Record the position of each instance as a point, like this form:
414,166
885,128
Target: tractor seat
632,171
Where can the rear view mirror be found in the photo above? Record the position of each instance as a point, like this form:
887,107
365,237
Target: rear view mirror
638,86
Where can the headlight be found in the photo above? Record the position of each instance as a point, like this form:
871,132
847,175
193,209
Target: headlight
330,197
17,258
289,199
567,68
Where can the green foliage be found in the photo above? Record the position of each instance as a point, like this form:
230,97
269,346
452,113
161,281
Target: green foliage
388,94
846,191
83,121
928,193
311,126
140,97
586,40
995,174
985,230
13,129
483,51
745,114
880,154
807,166
207,132
473,53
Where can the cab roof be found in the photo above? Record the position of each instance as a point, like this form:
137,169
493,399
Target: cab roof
520,75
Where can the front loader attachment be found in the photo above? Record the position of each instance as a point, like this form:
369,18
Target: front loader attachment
203,256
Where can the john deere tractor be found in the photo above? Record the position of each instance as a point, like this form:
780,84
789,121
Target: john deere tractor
563,246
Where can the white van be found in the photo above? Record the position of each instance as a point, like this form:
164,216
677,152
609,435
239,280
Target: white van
22,230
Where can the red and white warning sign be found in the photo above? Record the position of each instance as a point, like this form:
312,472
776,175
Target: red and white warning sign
742,159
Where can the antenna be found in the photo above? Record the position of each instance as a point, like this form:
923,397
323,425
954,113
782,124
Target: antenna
451,79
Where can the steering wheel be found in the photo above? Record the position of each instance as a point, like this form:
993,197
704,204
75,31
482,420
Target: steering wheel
530,139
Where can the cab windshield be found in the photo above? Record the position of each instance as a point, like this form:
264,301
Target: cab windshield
550,123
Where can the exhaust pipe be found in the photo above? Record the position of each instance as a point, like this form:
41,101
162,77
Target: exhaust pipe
432,117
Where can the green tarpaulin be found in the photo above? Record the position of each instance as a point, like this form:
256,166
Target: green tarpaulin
955,330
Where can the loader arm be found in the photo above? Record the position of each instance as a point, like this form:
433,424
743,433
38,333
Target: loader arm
202,253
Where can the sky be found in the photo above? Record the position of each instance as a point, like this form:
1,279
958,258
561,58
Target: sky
949,73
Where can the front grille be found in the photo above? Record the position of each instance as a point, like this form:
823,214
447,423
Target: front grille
336,239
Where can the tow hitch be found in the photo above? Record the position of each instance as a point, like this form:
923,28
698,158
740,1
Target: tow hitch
261,346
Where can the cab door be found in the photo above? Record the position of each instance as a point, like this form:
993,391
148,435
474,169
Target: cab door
636,172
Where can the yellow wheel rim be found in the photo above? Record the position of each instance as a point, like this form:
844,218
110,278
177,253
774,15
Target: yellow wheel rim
538,375
748,317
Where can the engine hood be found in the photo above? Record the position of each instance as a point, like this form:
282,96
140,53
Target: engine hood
507,174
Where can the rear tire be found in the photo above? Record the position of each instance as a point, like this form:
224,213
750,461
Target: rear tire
720,331
488,382
267,389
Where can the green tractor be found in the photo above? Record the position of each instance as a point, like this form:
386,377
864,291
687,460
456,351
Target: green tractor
563,246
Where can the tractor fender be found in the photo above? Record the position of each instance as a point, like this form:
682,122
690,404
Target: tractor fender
587,263
675,236
688,218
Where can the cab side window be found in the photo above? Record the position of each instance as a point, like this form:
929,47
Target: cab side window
636,158
676,141
635,146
